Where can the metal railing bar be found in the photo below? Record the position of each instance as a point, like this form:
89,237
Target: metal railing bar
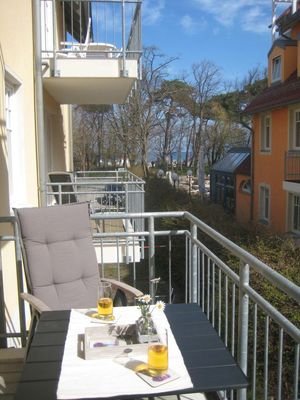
254,363
7,238
134,263
279,371
213,295
224,267
9,335
208,288
170,269
296,374
233,321
102,259
266,358
187,263
203,280
189,283
193,276
199,269
226,311
140,233
243,324
20,285
273,276
220,302
118,258
289,328
276,316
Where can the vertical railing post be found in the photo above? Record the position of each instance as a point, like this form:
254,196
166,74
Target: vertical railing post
19,275
243,325
151,256
194,274
3,341
126,220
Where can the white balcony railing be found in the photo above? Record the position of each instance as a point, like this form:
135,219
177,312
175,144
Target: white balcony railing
264,340
117,191
91,29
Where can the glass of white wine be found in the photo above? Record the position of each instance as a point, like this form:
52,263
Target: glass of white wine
158,359
105,302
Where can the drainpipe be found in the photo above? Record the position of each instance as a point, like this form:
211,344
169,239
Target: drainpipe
294,7
123,72
39,103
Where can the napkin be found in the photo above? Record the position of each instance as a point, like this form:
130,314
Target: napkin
80,378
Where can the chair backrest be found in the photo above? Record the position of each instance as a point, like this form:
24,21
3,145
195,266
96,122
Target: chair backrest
62,177
59,257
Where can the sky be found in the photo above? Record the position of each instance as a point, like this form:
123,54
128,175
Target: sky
233,34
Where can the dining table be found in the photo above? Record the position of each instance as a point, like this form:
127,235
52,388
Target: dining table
208,362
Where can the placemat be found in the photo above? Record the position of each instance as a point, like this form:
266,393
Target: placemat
82,378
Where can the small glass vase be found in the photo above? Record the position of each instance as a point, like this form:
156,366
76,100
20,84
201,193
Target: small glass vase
145,329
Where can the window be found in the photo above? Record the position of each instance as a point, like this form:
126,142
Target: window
245,186
264,203
266,133
276,69
294,212
297,129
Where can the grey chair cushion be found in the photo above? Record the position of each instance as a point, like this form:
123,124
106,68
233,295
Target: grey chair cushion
61,260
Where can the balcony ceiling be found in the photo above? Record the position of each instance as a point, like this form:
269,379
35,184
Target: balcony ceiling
75,90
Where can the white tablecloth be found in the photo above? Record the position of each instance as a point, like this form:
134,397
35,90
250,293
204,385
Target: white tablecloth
82,378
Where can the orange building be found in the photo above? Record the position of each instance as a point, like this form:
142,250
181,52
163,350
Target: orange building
276,139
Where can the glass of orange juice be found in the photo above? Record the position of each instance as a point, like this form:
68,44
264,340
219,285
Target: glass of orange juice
158,359
105,302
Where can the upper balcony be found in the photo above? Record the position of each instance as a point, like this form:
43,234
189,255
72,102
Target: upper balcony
90,49
108,193
292,166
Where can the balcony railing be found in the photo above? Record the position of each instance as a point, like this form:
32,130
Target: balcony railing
198,264
91,29
117,191
292,166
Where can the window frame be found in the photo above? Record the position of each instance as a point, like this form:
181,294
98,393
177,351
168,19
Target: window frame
276,69
245,186
296,123
293,214
266,132
264,203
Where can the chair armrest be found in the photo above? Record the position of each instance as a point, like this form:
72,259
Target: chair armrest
38,305
129,291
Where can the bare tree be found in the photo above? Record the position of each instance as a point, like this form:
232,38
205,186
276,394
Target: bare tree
145,108
89,135
207,80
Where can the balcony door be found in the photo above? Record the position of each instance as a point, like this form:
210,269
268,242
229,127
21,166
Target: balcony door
294,212
294,128
264,203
